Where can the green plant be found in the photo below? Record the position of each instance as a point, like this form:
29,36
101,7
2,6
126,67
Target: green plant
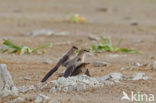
13,48
76,18
106,45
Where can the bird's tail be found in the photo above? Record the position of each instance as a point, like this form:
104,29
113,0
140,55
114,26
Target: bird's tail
50,73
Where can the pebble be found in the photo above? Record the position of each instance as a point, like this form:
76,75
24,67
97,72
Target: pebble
40,98
93,37
137,64
46,32
100,64
47,61
139,76
154,65
24,89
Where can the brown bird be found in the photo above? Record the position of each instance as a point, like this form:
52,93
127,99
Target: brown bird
81,68
62,62
75,63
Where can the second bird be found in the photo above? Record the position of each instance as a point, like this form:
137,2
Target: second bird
64,60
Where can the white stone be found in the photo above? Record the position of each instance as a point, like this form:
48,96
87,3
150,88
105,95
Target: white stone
40,98
93,37
116,77
139,76
46,32
100,64
47,61
77,83
24,89
61,33
154,65
137,64
6,84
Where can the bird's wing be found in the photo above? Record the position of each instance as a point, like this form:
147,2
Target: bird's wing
69,71
79,69
74,69
66,63
52,71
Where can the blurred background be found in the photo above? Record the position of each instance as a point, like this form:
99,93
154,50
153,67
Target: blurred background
65,23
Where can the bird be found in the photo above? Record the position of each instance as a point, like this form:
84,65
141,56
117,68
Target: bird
76,63
64,60
81,69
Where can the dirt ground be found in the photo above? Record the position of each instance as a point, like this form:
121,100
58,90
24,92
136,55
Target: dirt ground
18,17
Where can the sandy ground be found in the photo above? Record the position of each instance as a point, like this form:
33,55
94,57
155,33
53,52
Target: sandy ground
18,17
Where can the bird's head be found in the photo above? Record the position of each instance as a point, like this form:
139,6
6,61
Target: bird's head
83,51
74,48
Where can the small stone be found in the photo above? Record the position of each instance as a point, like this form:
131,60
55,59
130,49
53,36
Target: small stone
152,57
116,77
135,23
27,78
116,55
61,33
41,98
154,65
122,68
47,61
102,9
93,37
139,76
137,64
113,55
45,32
53,89
24,89
100,64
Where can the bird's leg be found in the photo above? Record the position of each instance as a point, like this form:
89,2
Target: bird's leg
87,72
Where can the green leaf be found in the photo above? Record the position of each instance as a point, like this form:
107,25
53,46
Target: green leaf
128,50
41,47
119,42
106,45
10,44
12,48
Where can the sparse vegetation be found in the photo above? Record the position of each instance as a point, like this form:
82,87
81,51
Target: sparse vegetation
106,45
76,18
13,48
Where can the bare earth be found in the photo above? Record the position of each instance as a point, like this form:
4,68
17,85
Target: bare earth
18,17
